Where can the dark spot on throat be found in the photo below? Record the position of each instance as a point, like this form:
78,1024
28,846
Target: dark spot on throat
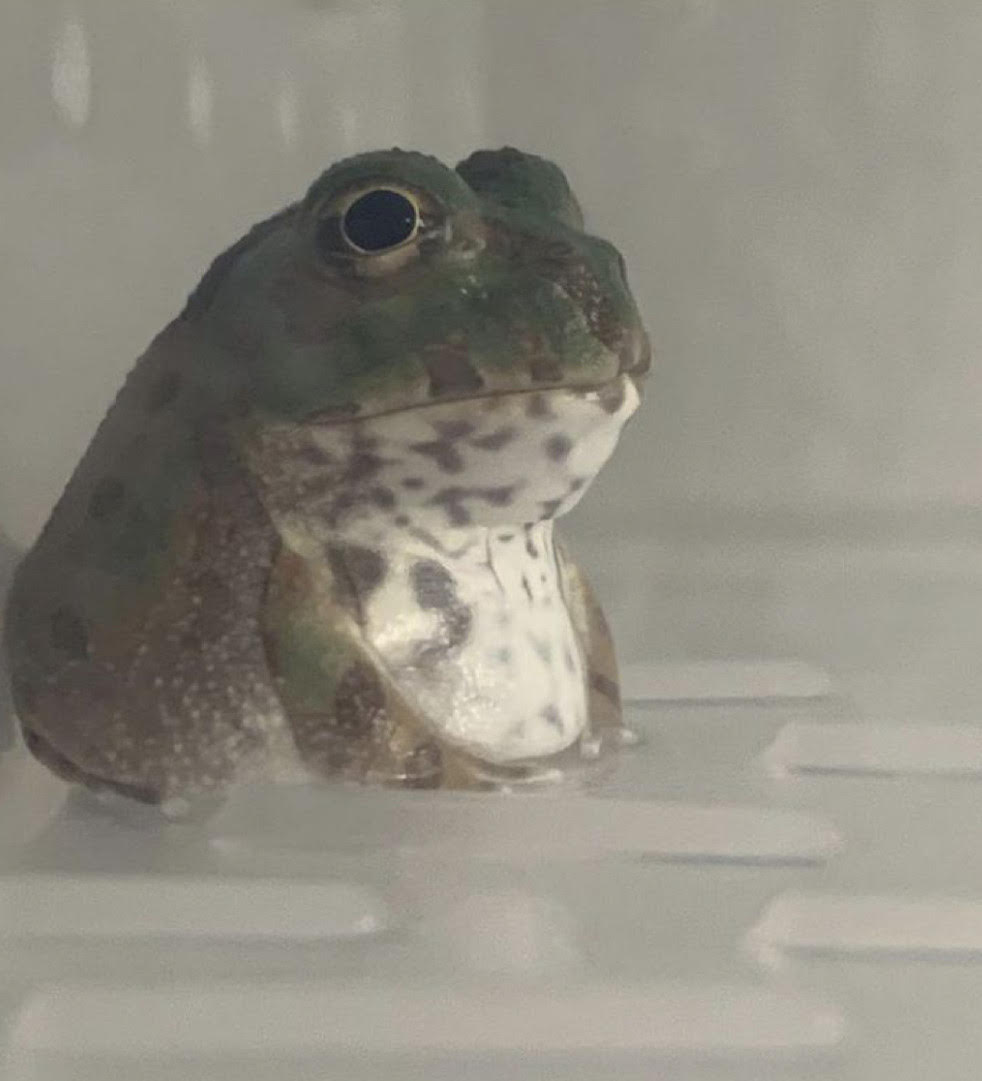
362,466
494,440
558,447
538,407
611,396
446,455
452,499
453,429
541,648
433,585
436,590
383,498
550,714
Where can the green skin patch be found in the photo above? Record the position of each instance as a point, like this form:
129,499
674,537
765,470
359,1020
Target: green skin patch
148,595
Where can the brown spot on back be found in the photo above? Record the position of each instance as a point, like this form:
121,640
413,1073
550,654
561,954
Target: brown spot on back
450,371
413,483
107,497
164,390
68,633
545,369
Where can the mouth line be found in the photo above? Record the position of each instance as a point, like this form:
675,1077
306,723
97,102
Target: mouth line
338,421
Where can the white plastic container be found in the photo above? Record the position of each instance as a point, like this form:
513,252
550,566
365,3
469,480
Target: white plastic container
785,879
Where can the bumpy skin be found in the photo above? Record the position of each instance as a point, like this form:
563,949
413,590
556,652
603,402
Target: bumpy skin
314,533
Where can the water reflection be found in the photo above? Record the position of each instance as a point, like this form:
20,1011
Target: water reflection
288,113
201,97
71,73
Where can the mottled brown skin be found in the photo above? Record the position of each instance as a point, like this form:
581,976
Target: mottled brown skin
165,635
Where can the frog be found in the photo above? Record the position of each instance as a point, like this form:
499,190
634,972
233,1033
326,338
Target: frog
313,537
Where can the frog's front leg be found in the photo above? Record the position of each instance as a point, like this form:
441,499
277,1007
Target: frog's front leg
347,716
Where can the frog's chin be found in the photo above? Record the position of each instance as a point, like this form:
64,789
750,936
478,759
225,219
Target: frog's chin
487,462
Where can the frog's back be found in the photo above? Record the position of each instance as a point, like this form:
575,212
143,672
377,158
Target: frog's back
135,611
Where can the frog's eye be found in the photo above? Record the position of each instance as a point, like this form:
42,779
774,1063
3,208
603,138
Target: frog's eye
379,220
374,221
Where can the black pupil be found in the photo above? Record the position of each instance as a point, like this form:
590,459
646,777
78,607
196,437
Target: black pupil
379,220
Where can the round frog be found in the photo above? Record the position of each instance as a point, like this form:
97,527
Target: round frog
314,534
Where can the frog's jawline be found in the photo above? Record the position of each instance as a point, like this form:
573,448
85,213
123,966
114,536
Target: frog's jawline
612,389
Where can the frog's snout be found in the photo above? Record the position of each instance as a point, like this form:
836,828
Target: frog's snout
635,354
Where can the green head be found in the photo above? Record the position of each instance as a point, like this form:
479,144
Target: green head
397,282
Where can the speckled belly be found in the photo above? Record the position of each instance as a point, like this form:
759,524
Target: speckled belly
478,638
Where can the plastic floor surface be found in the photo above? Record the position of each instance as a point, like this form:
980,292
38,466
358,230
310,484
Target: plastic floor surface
780,882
